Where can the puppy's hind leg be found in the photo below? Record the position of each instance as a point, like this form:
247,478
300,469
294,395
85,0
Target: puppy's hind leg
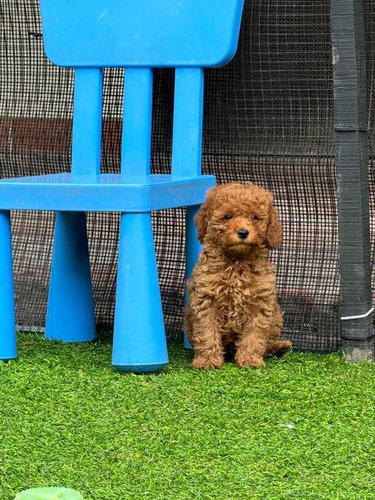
277,348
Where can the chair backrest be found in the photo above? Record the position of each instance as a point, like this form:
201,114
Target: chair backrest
138,35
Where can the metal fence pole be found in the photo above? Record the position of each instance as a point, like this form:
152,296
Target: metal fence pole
351,145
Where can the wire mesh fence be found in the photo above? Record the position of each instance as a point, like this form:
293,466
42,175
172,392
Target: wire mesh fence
268,119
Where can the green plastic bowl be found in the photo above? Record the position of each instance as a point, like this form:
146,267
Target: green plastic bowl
49,494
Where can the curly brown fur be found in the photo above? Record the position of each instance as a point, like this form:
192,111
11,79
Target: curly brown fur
232,291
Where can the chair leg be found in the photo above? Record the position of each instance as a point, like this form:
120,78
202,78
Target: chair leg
8,348
139,343
193,249
70,311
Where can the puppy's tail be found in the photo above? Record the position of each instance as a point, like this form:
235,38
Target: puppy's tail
277,348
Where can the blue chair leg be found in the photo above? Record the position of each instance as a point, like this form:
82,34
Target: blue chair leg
8,348
193,249
139,343
70,311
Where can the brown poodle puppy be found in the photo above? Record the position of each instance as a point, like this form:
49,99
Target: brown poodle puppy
232,292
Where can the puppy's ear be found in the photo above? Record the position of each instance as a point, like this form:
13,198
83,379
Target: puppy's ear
274,230
204,214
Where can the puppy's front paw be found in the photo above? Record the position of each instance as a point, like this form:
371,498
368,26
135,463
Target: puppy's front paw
246,360
208,363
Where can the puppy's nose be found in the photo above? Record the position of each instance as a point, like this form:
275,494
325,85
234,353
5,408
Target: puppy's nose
243,233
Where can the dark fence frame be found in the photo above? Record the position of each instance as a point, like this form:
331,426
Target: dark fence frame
351,145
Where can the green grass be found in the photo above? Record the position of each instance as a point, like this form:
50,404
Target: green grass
66,419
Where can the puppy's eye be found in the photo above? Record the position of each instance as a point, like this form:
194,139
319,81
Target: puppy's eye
227,216
255,217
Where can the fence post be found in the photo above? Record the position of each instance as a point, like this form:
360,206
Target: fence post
351,146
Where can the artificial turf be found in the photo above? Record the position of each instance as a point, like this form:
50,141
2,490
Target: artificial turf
303,427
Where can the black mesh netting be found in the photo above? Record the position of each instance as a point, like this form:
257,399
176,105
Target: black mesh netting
268,118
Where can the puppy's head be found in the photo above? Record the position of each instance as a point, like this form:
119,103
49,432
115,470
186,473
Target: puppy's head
238,218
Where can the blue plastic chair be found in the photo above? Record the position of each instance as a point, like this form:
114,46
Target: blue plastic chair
137,35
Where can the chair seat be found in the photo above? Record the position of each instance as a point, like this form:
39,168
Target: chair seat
103,193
